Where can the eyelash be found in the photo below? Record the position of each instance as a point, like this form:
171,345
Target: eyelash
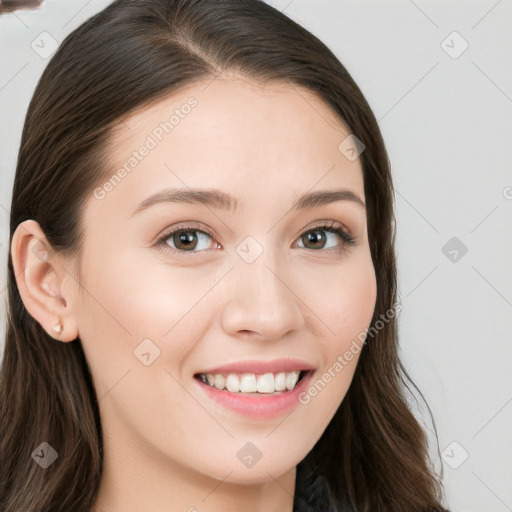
330,227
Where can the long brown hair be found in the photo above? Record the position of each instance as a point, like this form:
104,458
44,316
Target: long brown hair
374,453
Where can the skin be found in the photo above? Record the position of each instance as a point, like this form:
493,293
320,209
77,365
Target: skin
167,445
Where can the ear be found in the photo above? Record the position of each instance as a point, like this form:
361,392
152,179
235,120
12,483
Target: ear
43,281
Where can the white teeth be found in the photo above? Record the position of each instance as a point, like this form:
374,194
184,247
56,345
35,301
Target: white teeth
219,381
266,383
233,383
248,383
280,381
291,380
252,383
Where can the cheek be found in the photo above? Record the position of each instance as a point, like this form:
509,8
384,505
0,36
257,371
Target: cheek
129,299
132,308
144,296
344,300
345,305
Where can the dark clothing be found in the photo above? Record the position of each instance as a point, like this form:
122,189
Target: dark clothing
311,493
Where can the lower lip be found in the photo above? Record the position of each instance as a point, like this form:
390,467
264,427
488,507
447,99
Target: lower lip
258,406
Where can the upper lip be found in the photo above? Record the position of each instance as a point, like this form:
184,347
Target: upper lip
275,366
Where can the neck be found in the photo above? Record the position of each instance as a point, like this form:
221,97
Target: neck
134,480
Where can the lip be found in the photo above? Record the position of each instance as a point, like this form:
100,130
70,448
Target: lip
274,366
257,406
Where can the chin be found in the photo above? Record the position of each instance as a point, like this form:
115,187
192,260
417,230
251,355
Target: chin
258,474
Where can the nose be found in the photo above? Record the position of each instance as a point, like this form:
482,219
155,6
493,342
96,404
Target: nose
261,301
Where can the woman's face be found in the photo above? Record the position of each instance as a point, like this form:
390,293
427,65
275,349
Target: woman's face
253,281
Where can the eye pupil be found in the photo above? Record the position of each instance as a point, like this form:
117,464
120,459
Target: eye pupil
187,238
315,237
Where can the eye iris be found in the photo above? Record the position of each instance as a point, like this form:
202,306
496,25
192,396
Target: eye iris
315,237
185,239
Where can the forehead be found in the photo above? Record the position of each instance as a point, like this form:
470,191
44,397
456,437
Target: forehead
233,133
235,100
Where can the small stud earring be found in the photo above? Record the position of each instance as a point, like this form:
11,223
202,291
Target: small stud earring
58,328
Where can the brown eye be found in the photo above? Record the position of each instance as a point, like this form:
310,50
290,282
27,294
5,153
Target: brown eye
185,240
314,239
324,237
189,240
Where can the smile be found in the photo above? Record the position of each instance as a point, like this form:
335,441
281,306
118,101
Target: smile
266,383
259,396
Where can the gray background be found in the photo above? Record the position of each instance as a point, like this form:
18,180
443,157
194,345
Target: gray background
446,117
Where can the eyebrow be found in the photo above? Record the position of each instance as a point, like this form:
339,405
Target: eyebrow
221,200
